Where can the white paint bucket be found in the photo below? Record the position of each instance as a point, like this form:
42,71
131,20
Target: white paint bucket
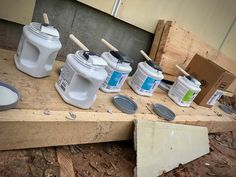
146,78
118,70
36,51
80,79
184,90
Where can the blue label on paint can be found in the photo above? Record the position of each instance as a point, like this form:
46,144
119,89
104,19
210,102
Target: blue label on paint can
115,79
149,84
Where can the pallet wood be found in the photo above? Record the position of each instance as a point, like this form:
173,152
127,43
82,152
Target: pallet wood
65,162
42,118
157,38
163,41
178,46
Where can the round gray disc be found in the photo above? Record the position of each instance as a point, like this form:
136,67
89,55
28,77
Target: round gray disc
226,109
9,106
125,104
163,112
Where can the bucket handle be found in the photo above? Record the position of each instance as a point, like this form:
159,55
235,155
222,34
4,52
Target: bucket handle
145,55
182,70
109,45
45,18
77,41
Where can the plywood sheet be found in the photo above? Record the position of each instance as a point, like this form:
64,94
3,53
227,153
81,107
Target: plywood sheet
157,39
178,46
65,162
163,146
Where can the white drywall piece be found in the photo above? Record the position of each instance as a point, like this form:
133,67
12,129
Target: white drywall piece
163,146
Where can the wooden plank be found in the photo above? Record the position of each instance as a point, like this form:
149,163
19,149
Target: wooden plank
178,46
163,41
31,128
171,144
157,38
229,94
65,162
42,118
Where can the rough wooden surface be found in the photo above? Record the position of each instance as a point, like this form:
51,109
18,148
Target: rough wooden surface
157,38
181,45
178,46
65,162
42,118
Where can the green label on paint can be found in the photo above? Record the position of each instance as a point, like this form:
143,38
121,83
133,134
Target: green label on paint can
188,96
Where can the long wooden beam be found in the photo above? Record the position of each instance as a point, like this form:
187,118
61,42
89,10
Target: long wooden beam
42,118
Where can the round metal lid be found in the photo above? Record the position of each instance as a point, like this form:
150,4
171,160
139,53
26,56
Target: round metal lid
9,96
226,109
163,112
125,104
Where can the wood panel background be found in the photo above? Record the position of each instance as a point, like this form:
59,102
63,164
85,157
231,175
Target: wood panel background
19,11
173,45
208,19
103,5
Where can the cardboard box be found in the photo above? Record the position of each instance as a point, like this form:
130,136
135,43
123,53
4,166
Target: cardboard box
214,79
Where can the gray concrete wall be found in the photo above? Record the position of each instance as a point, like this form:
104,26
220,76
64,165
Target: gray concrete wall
88,24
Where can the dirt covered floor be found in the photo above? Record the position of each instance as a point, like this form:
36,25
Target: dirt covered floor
220,162
116,160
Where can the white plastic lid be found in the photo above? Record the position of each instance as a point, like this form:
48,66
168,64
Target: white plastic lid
96,60
50,30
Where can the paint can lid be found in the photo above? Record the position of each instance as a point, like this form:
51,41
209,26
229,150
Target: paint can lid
163,112
226,109
153,65
94,59
125,104
35,28
9,96
122,58
163,86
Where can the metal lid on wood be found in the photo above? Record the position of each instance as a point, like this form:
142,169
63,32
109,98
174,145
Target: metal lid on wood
163,112
125,104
